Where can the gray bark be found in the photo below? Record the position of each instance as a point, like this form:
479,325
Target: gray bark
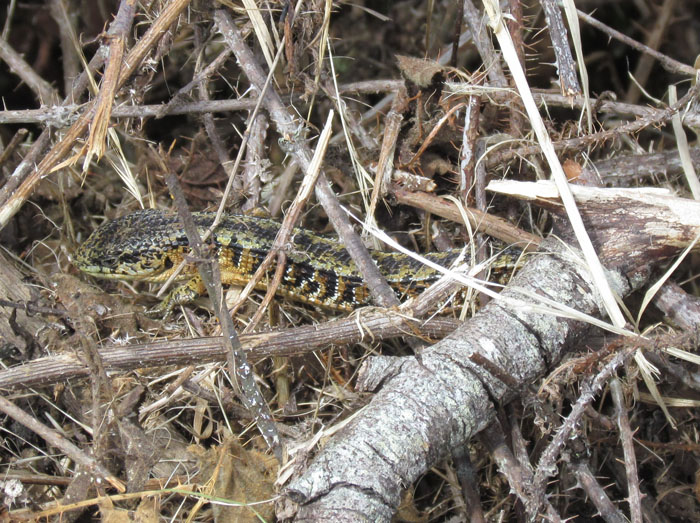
428,407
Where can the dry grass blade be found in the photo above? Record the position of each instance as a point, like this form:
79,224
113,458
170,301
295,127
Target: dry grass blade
364,180
683,355
572,18
121,167
323,43
651,292
558,175
261,31
691,175
649,372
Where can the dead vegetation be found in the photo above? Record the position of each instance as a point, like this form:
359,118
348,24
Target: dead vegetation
423,120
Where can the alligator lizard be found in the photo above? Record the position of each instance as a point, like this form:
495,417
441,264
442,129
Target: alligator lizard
148,245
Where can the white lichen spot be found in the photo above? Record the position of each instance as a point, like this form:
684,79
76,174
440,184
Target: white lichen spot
488,346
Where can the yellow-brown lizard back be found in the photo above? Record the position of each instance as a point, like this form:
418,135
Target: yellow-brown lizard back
148,245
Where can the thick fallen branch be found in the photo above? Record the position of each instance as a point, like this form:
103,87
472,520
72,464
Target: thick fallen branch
427,408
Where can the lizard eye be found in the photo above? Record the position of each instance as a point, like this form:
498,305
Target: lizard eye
109,260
